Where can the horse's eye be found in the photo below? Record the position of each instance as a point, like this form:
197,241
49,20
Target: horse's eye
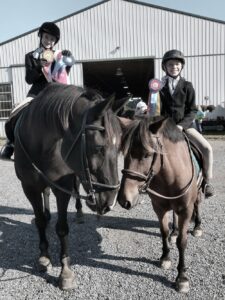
100,148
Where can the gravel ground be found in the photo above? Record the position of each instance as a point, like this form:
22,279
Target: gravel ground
116,257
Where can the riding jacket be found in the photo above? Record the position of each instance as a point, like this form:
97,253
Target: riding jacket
180,106
34,75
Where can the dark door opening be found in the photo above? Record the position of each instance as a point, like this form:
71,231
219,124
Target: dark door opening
122,77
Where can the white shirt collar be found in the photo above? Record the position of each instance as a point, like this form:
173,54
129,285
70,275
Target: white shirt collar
172,82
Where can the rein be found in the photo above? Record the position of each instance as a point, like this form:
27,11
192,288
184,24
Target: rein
86,180
145,187
92,186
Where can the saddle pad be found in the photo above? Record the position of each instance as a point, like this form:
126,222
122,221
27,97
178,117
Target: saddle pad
196,164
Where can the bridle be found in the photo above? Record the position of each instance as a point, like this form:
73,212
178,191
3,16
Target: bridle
145,188
86,180
92,187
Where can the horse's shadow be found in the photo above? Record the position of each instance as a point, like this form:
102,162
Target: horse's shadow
19,252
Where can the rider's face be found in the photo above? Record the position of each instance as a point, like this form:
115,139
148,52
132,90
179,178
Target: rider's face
173,67
47,40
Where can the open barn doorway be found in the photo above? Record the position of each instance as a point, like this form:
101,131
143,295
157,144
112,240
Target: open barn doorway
122,77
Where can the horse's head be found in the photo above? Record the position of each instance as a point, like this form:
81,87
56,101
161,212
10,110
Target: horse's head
140,145
95,154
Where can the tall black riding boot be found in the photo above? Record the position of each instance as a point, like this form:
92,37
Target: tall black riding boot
7,151
207,189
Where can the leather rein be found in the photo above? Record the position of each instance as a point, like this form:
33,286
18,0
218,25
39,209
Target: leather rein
145,188
92,186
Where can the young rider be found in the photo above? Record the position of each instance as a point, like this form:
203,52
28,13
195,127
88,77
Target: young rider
40,65
178,102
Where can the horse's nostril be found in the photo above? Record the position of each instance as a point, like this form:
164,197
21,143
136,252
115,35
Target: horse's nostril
105,210
127,205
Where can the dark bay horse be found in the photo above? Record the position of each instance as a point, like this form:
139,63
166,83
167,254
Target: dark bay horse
158,161
66,132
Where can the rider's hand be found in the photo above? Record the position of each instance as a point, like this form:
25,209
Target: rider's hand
66,53
43,62
40,63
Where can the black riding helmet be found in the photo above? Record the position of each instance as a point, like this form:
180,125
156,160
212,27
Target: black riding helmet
172,54
51,28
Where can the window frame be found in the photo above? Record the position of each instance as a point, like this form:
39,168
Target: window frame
5,112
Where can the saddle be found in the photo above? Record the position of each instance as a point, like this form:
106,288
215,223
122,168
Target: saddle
10,124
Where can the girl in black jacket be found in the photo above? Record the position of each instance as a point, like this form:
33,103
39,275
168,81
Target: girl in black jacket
40,65
178,102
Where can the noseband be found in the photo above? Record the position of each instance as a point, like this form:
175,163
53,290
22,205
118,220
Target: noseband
146,178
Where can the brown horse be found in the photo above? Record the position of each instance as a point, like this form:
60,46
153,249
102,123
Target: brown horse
158,161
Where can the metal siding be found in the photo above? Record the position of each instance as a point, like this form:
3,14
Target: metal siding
2,129
76,75
20,88
4,75
139,31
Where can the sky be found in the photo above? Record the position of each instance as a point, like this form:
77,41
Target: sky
21,16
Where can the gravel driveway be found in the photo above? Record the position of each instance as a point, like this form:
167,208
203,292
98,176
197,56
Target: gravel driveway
114,258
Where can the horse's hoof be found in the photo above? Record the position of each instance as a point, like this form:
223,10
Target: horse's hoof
165,264
44,264
197,232
67,283
183,286
173,239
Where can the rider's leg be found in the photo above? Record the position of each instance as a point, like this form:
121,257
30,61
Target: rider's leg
8,149
207,153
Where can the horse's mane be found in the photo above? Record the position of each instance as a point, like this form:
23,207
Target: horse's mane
142,131
58,99
53,107
168,129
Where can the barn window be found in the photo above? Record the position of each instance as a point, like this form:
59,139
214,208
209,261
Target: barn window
5,100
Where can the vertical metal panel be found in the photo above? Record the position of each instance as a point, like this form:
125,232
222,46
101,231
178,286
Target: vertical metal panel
76,75
4,75
2,129
20,88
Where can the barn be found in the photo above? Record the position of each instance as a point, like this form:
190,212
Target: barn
118,46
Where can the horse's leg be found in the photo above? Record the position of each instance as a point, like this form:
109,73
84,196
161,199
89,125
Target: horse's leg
78,205
46,196
35,199
184,217
174,233
165,260
197,231
67,277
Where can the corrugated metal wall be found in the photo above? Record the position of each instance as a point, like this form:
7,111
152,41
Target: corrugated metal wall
120,29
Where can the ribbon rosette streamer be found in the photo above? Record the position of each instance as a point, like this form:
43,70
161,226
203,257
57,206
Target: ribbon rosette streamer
58,73
155,86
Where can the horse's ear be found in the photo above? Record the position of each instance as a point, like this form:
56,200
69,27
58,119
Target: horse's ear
156,123
118,104
100,108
